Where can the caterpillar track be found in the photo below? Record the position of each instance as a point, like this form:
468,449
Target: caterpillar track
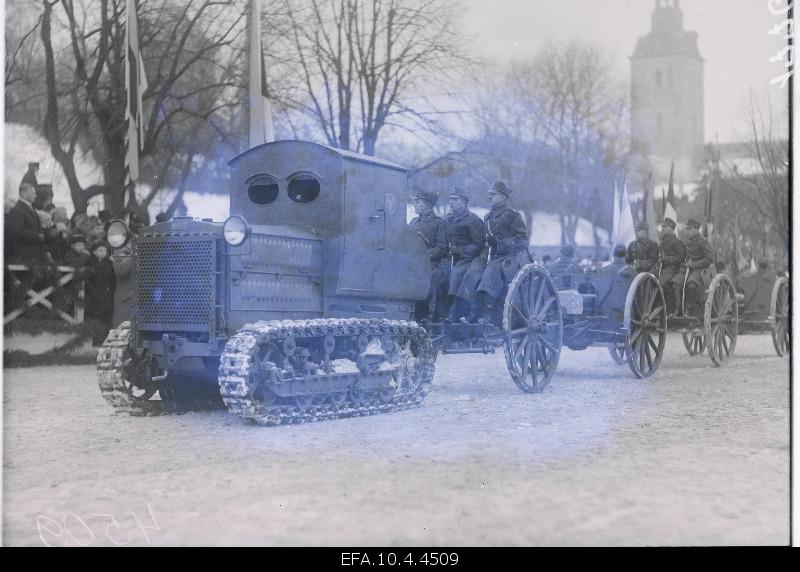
312,370
118,371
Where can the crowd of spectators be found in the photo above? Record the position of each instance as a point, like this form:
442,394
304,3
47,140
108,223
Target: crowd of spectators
44,237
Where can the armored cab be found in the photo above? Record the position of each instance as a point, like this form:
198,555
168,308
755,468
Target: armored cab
328,236
295,307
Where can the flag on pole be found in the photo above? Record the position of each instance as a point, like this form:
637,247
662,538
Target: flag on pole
623,230
669,207
708,227
135,86
649,209
627,230
261,130
614,220
739,258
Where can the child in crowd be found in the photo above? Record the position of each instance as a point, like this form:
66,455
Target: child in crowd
100,285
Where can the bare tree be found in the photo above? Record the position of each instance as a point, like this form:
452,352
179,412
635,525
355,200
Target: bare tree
580,111
21,56
763,185
358,62
184,47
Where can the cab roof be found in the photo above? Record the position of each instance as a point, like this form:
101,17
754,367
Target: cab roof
341,152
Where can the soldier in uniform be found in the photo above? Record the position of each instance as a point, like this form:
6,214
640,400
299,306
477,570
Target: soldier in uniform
643,252
566,262
672,254
506,247
433,231
699,263
465,235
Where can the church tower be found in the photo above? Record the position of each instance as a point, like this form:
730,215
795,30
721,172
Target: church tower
667,93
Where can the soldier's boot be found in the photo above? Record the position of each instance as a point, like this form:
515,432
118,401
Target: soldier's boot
456,309
676,292
472,311
487,308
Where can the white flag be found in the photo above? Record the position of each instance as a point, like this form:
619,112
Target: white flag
614,221
261,130
627,230
135,86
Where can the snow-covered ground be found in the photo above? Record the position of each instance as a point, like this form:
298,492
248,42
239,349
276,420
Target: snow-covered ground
695,455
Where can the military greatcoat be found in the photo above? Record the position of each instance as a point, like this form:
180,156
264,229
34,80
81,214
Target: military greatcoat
507,249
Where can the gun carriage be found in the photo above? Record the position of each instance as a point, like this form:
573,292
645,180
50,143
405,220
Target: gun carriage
752,305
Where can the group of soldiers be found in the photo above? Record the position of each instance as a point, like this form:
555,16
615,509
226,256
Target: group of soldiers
471,259
676,262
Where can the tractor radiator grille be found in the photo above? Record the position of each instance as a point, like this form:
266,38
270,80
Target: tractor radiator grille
176,283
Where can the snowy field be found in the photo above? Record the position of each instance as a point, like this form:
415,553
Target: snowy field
697,455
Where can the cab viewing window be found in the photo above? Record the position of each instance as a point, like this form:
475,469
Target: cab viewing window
303,188
262,189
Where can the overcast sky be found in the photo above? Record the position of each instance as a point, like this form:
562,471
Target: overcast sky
732,38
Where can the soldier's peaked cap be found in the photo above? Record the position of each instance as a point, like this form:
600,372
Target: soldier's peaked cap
691,223
500,187
642,226
456,193
429,197
670,223
77,238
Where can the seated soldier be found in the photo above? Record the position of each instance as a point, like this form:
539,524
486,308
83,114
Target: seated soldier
699,271
507,244
672,254
433,231
619,262
465,232
643,252
565,263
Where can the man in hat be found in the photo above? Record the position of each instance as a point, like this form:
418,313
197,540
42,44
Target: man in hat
643,253
699,266
433,231
24,234
465,232
672,254
30,175
507,249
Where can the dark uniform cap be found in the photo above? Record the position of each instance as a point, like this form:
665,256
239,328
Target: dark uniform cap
691,223
643,226
620,251
429,197
456,193
31,165
670,223
568,249
77,237
500,187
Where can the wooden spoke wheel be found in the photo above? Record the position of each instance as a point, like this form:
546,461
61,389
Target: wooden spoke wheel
617,353
533,328
645,322
694,341
721,319
780,316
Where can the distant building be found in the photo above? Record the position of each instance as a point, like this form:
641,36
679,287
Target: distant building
667,95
